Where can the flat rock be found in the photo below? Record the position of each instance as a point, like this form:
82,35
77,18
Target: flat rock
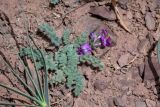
86,24
150,22
150,70
103,12
123,4
100,84
140,104
118,102
143,46
150,103
123,60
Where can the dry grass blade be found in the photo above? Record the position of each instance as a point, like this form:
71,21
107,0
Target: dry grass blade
119,16
113,2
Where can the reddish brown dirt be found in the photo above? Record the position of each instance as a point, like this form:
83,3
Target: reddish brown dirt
120,84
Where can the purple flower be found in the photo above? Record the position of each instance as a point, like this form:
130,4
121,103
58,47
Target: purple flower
84,49
93,36
108,41
103,32
105,41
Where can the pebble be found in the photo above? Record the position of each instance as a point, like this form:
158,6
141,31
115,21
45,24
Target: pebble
141,90
158,3
129,15
141,104
143,46
123,4
150,103
143,6
118,102
158,104
150,22
110,102
129,93
123,60
100,84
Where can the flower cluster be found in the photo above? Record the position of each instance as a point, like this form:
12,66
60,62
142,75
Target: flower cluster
96,40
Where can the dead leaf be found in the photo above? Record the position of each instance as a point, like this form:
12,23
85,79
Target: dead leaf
119,16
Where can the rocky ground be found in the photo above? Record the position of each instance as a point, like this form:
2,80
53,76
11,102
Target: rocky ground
131,76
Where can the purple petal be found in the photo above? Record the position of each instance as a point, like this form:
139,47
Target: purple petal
92,36
108,41
84,49
104,31
103,40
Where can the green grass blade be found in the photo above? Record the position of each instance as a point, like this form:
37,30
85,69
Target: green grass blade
30,77
21,93
13,104
37,76
46,90
14,73
158,50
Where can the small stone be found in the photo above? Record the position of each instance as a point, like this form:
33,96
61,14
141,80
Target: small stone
150,22
129,15
123,60
150,103
118,102
123,4
158,3
155,91
143,46
100,84
129,93
158,104
140,90
148,85
68,2
143,5
110,102
140,104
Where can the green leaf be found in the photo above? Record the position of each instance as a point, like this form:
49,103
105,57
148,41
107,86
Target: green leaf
81,39
59,77
65,37
92,60
50,63
67,61
79,84
158,51
50,33
54,2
